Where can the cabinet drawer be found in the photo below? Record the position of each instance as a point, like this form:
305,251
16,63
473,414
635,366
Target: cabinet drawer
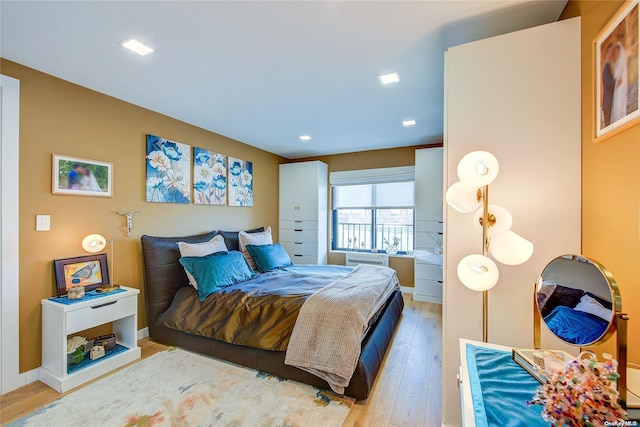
304,259
300,248
298,235
427,240
427,271
298,225
100,313
431,288
429,226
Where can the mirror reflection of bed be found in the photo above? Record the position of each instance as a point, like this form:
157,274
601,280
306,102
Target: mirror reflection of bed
575,300
579,302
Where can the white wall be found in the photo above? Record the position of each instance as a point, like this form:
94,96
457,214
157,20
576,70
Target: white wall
518,97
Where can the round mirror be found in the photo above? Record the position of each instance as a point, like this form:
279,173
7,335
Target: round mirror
578,298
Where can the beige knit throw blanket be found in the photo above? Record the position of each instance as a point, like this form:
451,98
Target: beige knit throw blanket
327,336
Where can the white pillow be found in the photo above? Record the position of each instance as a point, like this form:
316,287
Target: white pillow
261,238
201,249
593,306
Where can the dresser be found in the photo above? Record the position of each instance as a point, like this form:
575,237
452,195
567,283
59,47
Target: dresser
303,214
428,225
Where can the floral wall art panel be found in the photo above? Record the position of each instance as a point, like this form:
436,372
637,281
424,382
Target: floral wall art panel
240,179
168,171
209,177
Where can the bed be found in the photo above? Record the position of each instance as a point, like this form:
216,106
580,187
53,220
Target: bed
578,317
170,299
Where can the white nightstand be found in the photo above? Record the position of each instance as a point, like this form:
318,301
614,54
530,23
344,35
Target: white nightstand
62,320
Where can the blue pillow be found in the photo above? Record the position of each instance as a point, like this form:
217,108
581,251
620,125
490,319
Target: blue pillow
217,270
269,257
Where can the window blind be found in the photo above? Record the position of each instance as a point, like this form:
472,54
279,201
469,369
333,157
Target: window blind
373,176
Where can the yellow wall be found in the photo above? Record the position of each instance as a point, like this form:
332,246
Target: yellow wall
610,182
59,117
393,157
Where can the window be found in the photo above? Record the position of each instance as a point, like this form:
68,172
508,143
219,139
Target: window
373,216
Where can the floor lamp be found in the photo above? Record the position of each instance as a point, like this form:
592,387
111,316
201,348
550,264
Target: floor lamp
95,243
478,272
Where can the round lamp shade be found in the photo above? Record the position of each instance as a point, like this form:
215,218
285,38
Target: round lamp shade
94,243
510,248
502,216
478,272
478,168
462,197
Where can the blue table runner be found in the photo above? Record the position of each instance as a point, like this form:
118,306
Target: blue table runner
500,389
87,296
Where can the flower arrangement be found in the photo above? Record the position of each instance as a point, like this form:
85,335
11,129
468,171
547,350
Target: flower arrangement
392,248
75,347
582,394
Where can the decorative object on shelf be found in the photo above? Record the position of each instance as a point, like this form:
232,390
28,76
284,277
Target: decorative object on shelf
616,73
129,217
209,177
93,243
168,171
89,271
75,348
582,393
81,177
107,341
97,351
240,179
535,361
476,171
75,292
392,248
107,288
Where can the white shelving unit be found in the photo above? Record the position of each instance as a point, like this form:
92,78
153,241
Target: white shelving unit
428,283
303,211
62,320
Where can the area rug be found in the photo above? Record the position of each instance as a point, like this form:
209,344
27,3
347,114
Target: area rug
180,388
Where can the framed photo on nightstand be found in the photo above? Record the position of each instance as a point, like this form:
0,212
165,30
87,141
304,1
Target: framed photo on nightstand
89,271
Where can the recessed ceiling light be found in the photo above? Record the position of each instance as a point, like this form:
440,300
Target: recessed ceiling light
136,46
304,137
407,123
386,79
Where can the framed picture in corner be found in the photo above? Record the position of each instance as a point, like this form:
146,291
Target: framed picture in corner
616,72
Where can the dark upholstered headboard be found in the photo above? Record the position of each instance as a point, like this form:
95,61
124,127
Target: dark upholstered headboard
163,274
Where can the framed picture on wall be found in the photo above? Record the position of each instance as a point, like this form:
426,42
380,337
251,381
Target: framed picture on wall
81,177
616,73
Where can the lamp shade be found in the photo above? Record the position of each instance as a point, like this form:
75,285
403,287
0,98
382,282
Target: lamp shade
502,216
478,272
510,248
462,197
478,168
94,243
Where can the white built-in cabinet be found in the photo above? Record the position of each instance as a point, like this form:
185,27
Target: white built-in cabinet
428,225
303,211
517,96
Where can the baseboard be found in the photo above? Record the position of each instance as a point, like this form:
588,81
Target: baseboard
407,289
143,333
425,298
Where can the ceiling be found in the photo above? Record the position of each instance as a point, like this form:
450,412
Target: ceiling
266,72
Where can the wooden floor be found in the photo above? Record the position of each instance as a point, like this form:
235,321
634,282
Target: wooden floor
407,391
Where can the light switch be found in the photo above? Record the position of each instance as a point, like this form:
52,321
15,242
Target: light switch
43,222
